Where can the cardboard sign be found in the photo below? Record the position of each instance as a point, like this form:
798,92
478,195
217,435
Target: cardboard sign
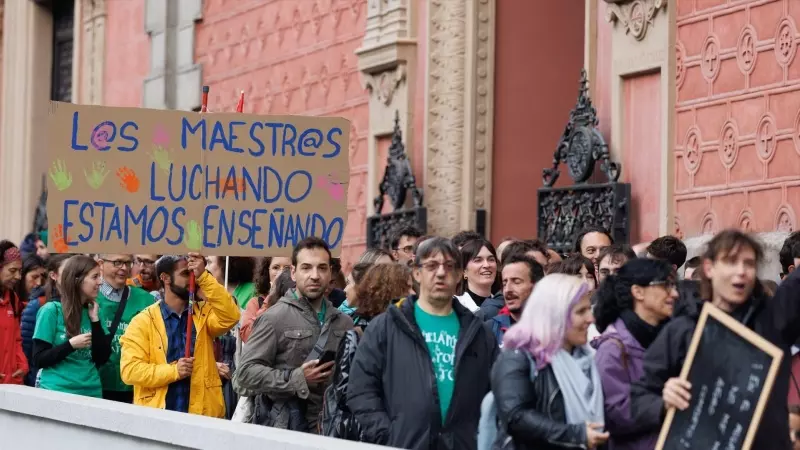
732,370
129,180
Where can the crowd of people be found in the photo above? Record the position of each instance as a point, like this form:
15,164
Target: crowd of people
431,343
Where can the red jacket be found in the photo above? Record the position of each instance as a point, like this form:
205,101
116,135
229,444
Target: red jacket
12,357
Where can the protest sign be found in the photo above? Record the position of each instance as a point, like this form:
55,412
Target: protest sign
130,180
732,370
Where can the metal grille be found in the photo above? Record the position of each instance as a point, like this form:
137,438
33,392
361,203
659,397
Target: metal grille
63,35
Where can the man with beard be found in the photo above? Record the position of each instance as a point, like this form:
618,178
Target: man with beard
154,345
119,304
281,362
144,272
520,273
422,368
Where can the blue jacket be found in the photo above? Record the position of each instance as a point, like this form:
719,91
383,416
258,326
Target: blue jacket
499,324
492,305
27,325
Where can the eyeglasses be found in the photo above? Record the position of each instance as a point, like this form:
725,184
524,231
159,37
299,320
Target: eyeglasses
433,266
145,262
408,249
120,263
668,285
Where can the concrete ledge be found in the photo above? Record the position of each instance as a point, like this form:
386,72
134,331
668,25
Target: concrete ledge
35,418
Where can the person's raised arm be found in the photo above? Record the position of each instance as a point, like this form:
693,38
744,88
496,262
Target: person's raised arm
223,312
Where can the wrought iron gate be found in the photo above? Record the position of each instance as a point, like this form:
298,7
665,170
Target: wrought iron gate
398,181
565,211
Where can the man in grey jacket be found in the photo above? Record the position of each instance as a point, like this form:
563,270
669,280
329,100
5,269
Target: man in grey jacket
281,358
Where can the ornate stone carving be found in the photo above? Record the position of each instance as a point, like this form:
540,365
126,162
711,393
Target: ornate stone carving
746,53
385,84
483,76
766,137
445,120
636,16
729,144
692,154
711,61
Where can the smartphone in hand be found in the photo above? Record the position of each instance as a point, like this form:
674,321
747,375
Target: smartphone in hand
327,357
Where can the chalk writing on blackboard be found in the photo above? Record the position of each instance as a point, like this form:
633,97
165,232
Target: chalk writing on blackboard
731,370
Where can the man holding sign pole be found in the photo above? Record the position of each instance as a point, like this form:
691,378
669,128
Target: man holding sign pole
153,358
729,282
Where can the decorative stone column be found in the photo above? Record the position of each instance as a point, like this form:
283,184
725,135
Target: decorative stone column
92,50
27,63
459,113
387,60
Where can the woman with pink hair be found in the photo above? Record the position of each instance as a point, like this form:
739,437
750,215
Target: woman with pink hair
546,387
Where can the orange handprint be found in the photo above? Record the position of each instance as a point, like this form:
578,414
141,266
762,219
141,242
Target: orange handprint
59,240
128,179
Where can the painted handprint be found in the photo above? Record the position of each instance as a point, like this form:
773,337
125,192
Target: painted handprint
160,136
128,179
97,175
60,176
194,236
161,157
60,241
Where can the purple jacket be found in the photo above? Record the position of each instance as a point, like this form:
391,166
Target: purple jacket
618,369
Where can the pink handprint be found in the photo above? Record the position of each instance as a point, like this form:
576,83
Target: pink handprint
335,189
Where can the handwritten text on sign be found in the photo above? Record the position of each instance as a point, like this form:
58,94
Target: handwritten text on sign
136,180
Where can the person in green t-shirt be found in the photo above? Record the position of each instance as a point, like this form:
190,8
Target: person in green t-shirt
70,342
115,294
441,334
240,276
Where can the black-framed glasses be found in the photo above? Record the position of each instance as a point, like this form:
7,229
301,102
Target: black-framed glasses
408,249
120,263
144,262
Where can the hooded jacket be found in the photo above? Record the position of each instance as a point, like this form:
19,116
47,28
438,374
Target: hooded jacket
12,358
619,359
776,319
393,392
500,323
493,305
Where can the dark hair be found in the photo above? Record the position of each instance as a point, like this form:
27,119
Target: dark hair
5,245
54,263
75,271
535,270
435,245
794,409
590,229
337,277
283,282
359,270
507,238
242,268
167,264
523,247
614,294
380,285
310,243
693,263
29,263
470,250
407,231
617,252
727,244
373,254
668,248
261,278
786,256
572,265
462,237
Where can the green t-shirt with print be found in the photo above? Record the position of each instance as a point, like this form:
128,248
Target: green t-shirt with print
138,300
441,335
244,293
77,373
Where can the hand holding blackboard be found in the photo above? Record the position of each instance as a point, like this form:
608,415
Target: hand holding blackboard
723,387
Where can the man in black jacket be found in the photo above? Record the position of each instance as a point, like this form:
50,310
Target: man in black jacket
729,282
422,368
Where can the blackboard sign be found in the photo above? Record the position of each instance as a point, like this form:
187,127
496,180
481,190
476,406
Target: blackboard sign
732,370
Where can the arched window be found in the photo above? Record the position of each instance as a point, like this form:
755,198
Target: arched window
63,34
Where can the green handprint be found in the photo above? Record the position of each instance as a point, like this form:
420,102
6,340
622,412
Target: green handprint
60,176
194,236
97,176
161,157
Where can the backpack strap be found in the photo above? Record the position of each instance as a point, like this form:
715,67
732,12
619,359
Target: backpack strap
623,352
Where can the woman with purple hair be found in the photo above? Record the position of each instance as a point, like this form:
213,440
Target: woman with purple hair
546,387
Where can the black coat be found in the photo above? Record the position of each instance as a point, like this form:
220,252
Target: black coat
532,414
393,391
776,319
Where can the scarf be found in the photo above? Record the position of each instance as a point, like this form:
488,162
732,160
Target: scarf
580,386
642,331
